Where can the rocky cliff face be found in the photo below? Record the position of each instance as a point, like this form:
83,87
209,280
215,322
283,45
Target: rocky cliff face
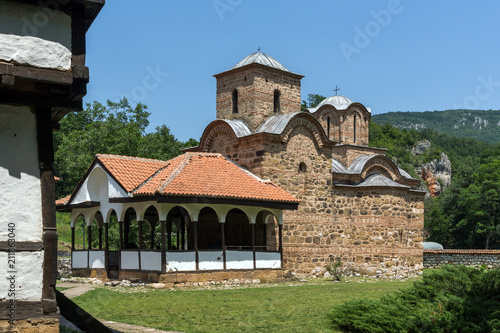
437,173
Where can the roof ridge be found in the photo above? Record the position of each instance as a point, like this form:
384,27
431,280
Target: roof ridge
138,187
125,157
176,171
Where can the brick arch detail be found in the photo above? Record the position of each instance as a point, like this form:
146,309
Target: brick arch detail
314,127
213,132
383,165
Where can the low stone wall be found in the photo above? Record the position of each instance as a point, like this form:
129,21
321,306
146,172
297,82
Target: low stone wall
229,277
64,267
436,258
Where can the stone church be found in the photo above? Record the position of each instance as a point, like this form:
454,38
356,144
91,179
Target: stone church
356,205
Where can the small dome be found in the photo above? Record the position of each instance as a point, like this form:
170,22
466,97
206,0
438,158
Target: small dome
339,102
432,246
263,59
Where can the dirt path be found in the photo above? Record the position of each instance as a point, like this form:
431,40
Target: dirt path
126,328
77,289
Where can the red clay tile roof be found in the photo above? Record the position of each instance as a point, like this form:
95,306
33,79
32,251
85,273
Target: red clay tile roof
452,251
206,175
130,172
63,201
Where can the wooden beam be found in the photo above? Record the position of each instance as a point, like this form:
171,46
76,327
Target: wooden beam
36,74
22,246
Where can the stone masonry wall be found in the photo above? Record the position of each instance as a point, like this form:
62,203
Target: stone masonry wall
475,258
375,233
256,85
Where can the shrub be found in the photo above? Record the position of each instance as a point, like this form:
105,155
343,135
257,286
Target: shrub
451,299
335,269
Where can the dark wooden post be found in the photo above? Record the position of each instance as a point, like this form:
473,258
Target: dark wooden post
120,231
126,230
169,234
140,234
100,238
223,241
72,238
280,248
163,254
195,230
178,236
47,184
106,245
106,236
253,247
183,233
89,237
153,235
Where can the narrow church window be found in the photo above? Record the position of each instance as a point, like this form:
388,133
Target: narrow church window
277,102
235,101
328,127
302,167
354,129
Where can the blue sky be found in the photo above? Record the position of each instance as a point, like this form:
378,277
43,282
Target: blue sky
389,55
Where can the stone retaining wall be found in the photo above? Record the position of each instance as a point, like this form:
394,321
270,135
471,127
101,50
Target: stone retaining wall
63,267
436,258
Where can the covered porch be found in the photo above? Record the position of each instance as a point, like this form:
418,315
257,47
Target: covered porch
146,236
162,238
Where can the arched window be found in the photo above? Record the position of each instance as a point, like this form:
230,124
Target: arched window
302,167
354,130
328,127
235,101
277,102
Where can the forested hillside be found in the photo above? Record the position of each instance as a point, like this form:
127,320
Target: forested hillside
479,124
113,128
467,214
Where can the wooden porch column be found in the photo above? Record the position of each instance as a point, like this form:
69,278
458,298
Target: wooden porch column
140,235
169,234
197,256
223,240
280,247
72,238
152,236
120,231
100,238
178,240
126,230
163,254
106,246
183,233
89,237
253,247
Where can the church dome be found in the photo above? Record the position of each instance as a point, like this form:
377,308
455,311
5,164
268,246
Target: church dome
339,102
263,59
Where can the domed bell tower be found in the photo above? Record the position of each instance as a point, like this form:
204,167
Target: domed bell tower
256,88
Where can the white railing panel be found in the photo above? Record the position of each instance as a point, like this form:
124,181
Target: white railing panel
79,259
239,260
268,260
211,260
181,261
129,260
97,259
150,261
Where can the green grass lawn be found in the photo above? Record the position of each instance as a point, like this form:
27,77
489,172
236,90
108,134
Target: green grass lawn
286,307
